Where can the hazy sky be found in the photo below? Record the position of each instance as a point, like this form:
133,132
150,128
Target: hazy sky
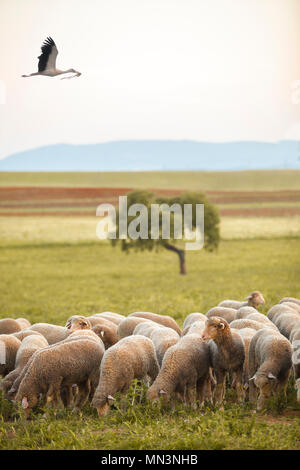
208,70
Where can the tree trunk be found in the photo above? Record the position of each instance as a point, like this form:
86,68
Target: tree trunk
181,255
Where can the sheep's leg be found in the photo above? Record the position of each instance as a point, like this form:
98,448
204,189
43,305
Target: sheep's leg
238,377
252,392
202,389
189,394
220,387
84,390
53,393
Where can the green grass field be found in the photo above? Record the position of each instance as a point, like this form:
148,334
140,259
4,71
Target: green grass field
251,180
52,267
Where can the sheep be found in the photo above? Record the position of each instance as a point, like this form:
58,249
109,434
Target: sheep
162,337
127,326
247,334
227,355
185,367
113,317
246,323
25,333
253,300
24,323
278,309
105,329
290,299
62,365
192,317
162,319
76,322
108,334
292,305
243,312
227,313
270,361
261,319
131,358
295,341
286,322
9,346
9,325
195,328
29,345
55,333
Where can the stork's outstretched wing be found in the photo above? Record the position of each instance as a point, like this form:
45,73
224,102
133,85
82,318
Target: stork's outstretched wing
47,59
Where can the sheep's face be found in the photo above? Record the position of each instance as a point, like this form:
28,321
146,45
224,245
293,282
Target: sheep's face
103,410
155,395
255,299
78,323
213,327
28,403
265,382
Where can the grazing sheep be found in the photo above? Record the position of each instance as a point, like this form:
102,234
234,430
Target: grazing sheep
253,300
227,355
162,319
191,318
246,323
108,334
162,337
8,326
24,323
290,299
227,313
62,365
9,346
286,322
278,309
243,312
29,345
261,319
295,341
127,326
131,358
55,333
185,367
270,361
113,317
24,333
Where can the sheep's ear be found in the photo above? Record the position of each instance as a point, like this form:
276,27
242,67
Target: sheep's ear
102,333
24,403
271,376
68,325
252,378
162,392
12,390
110,399
221,326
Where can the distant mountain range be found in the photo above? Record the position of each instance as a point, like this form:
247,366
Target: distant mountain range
154,155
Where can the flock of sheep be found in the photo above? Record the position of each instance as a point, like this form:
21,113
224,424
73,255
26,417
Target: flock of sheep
93,358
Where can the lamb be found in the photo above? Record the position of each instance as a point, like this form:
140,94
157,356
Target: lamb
295,341
243,312
227,352
162,337
62,365
131,358
246,323
29,345
9,346
286,322
261,319
185,367
253,300
227,313
270,361
192,317
127,326
8,326
162,319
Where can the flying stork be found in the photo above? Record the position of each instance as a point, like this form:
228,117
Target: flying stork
47,62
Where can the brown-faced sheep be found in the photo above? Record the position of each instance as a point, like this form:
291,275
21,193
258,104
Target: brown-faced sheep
270,361
162,319
8,326
9,346
253,300
131,358
29,345
62,365
224,312
162,337
185,367
227,352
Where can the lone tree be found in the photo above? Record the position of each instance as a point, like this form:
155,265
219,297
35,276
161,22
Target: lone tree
146,241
